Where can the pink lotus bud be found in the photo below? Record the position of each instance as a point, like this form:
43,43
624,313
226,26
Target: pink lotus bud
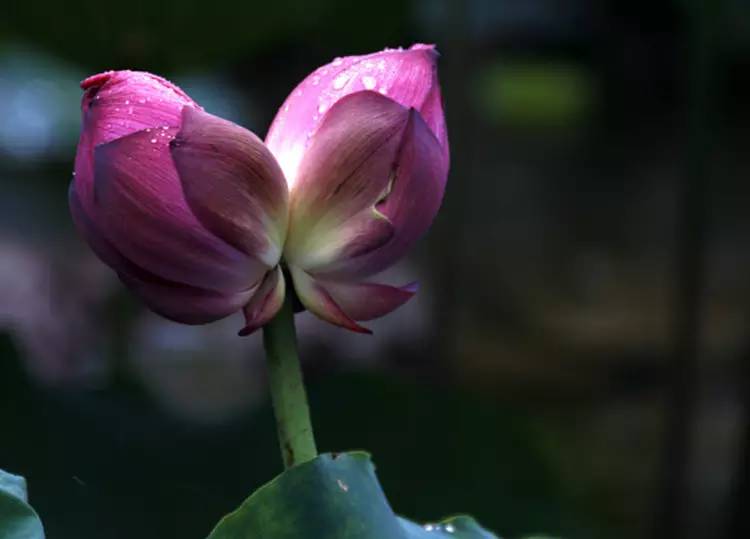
195,246
363,144
197,217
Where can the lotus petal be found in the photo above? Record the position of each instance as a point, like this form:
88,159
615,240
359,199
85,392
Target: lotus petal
232,183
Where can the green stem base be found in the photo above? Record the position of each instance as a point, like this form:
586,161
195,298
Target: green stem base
287,389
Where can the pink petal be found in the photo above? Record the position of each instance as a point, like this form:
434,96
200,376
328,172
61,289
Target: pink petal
232,183
178,302
87,228
140,208
265,303
186,304
346,171
409,77
116,104
367,301
318,301
415,195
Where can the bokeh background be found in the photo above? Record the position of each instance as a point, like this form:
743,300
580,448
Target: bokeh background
578,359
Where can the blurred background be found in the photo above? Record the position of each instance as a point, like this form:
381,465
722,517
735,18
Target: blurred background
578,359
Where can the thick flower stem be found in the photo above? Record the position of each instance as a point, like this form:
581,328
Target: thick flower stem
287,389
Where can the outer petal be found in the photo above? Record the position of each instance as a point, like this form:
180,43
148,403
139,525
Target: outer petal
87,228
140,208
186,304
319,301
411,203
116,104
232,183
181,303
347,170
367,301
345,249
407,76
266,301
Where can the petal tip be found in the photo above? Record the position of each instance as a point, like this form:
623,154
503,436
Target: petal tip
96,81
247,330
411,288
430,47
265,302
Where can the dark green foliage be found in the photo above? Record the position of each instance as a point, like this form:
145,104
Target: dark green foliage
333,496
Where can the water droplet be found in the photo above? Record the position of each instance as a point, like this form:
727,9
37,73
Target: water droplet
141,101
340,81
343,486
315,80
450,528
322,108
369,82
165,127
153,141
74,173
429,527
286,107
382,90
337,61
130,110
127,101
148,130
298,93
109,126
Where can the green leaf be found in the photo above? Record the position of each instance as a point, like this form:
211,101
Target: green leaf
336,497
17,519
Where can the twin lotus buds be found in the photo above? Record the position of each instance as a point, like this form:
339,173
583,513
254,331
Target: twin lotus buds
198,215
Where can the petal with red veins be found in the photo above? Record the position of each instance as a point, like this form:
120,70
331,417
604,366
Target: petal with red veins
265,303
409,77
232,183
140,208
319,301
367,301
346,171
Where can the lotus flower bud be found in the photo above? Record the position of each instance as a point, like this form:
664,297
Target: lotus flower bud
195,247
364,148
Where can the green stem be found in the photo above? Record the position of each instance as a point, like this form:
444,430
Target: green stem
287,389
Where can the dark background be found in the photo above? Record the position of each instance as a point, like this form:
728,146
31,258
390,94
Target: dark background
578,359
